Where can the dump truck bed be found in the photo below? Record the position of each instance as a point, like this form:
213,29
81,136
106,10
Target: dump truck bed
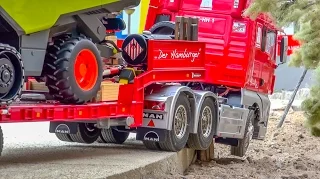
36,15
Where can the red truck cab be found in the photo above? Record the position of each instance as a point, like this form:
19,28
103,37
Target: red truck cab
241,52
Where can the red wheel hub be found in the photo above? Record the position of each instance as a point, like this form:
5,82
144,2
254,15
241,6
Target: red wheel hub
86,69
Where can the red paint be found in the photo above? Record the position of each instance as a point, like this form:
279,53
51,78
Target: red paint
223,56
231,57
86,69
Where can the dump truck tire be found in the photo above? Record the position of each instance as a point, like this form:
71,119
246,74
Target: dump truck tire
11,74
74,72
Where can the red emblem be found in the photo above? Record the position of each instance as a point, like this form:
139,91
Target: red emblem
133,49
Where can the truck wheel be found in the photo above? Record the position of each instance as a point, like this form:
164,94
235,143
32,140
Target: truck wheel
206,127
74,70
177,138
163,28
64,137
151,145
113,136
11,74
1,141
87,133
243,144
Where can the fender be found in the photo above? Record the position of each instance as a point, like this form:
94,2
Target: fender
176,91
170,94
249,98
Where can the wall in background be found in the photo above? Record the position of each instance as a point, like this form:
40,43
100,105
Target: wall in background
138,19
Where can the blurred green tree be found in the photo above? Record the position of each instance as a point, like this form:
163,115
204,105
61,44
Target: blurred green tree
305,14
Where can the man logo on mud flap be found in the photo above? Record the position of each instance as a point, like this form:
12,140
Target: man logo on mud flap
63,129
151,136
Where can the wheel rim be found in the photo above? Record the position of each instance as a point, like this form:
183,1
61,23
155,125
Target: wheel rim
180,122
206,121
86,69
6,76
90,127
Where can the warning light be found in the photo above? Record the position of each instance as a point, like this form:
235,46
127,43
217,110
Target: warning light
38,115
151,123
80,113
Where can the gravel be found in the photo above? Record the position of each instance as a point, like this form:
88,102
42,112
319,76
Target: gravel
287,153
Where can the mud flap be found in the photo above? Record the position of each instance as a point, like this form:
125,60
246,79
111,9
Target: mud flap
63,127
150,134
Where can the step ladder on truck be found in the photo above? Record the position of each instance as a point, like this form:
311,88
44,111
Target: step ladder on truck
175,89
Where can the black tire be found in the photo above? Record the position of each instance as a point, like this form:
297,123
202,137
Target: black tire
174,143
163,28
84,135
49,69
113,136
244,143
12,74
202,141
1,141
64,137
152,145
60,77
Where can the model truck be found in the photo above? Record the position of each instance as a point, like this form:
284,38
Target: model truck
173,92
55,41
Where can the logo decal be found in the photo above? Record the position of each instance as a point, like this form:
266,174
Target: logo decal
62,128
133,49
151,136
153,116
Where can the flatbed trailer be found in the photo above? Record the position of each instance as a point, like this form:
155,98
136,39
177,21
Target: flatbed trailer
130,109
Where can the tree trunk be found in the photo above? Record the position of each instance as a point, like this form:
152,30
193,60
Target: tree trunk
292,98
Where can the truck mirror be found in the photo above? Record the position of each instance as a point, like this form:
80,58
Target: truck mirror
284,49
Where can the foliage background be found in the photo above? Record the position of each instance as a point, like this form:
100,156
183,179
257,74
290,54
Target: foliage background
305,14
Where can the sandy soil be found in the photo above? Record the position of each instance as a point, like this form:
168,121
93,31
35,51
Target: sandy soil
289,152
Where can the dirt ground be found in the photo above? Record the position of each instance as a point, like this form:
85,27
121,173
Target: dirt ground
290,152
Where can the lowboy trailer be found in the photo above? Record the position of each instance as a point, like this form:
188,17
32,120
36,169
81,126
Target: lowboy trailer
173,93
